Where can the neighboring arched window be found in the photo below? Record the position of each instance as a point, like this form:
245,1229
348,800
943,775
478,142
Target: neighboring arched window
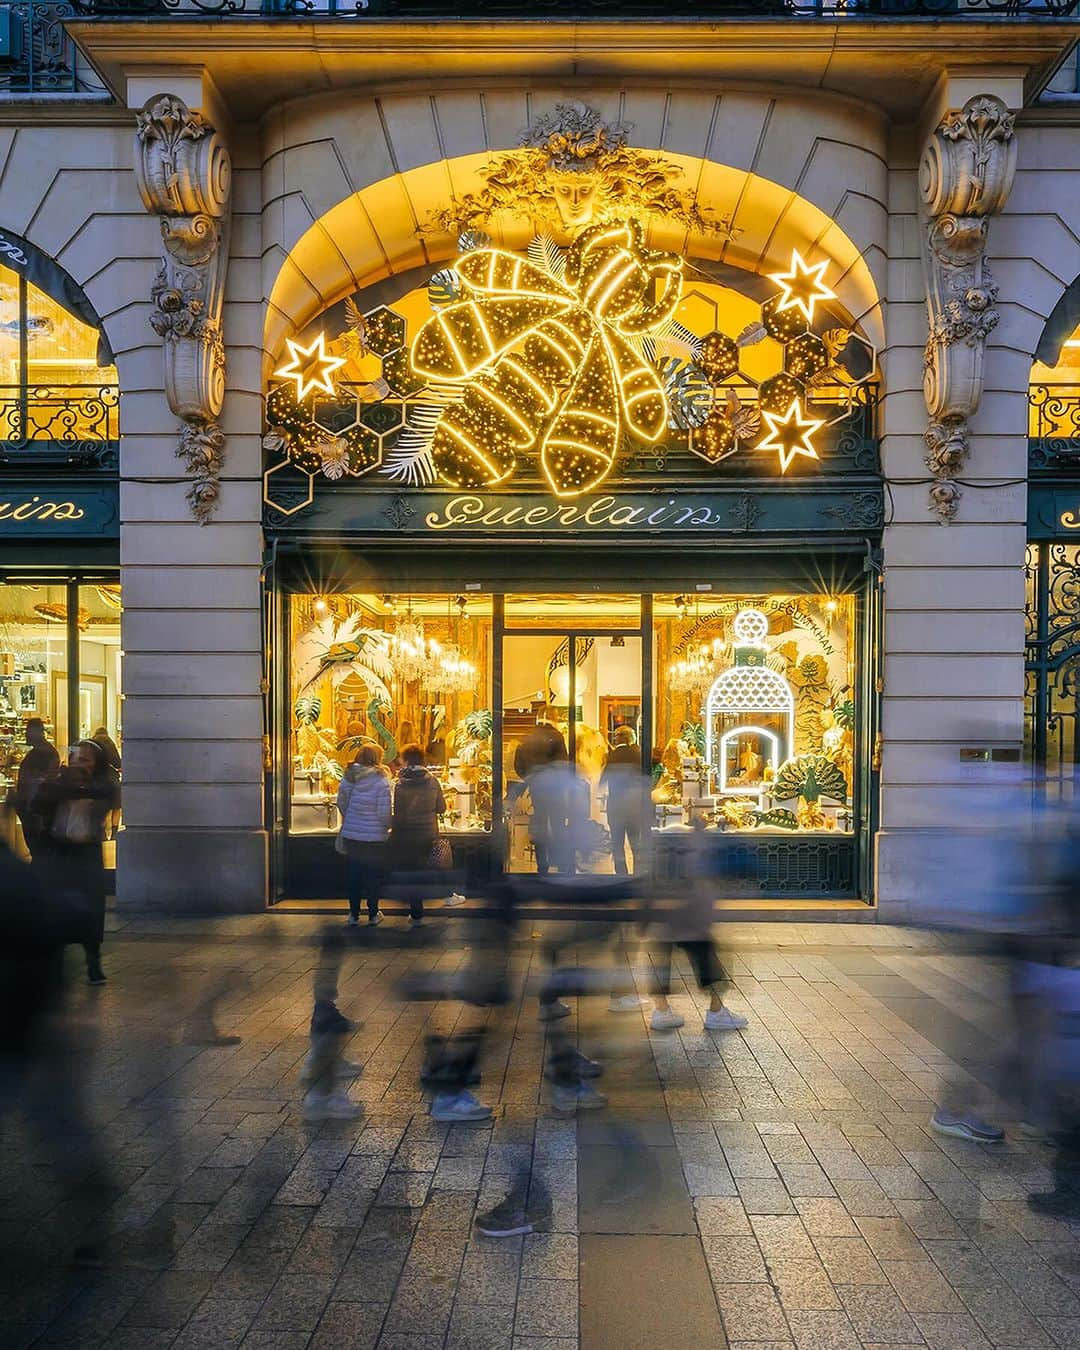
58,384
1054,389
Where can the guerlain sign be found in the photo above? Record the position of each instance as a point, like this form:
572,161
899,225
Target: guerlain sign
471,511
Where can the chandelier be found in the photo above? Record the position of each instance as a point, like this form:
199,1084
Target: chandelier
409,650
691,674
450,673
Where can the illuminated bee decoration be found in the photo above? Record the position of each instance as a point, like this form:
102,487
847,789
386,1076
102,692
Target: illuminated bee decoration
553,365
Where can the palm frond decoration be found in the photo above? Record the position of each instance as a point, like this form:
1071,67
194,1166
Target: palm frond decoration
473,239
343,649
443,288
689,393
752,334
672,338
544,253
307,709
693,733
353,340
479,724
410,459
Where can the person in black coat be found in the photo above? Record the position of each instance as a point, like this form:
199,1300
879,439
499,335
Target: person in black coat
74,806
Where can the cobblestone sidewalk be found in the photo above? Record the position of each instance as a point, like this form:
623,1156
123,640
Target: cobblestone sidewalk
793,1157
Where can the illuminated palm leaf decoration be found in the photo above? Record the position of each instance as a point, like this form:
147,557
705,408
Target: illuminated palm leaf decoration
689,393
551,367
340,650
307,709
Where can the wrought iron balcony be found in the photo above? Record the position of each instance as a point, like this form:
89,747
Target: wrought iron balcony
712,10
36,54
71,424
1054,425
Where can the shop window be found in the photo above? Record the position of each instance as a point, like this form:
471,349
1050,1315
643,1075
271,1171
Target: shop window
57,384
1054,395
755,712
391,670
41,635
1052,668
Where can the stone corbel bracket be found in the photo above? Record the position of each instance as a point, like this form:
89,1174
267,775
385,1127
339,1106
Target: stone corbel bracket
965,177
184,175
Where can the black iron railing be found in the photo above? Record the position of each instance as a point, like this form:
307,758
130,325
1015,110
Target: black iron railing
1053,425
72,424
36,54
543,9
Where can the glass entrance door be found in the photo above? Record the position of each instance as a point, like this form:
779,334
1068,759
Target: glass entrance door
570,695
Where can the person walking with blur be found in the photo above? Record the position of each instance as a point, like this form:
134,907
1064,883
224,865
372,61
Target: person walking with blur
623,782
548,778
364,805
414,825
40,763
74,806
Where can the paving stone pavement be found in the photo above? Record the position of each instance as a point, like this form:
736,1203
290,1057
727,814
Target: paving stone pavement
794,1158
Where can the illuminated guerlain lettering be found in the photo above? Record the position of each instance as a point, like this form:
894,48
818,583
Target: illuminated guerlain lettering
603,513
33,508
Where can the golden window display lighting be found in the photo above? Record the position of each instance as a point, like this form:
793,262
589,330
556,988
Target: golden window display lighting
311,367
551,365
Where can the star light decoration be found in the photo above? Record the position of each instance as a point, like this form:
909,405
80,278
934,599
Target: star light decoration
789,433
802,286
311,367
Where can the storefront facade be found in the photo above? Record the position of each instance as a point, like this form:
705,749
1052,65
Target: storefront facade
683,404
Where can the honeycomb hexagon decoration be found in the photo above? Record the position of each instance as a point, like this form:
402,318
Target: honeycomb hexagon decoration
365,450
382,418
718,356
334,415
384,331
282,410
778,392
399,375
283,493
805,356
714,440
782,324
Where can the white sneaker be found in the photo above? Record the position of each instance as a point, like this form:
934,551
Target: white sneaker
666,1019
972,1128
551,1012
724,1020
453,1106
347,1068
625,1003
375,918
330,1106
351,922
577,1097
455,898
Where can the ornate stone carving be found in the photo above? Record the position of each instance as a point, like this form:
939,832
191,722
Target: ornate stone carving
965,176
184,175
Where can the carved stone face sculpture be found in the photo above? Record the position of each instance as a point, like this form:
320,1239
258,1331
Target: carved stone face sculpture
576,196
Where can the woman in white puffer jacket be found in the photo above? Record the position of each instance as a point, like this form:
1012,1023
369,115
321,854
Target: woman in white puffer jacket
364,806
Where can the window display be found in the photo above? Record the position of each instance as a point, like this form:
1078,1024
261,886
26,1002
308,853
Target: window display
749,729
755,711
390,670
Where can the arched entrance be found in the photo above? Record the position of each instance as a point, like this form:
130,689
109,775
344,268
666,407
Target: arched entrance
529,472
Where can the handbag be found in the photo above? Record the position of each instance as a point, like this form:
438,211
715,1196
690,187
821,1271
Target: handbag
441,857
76,822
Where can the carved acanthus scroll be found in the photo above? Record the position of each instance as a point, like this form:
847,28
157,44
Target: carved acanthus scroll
965,176
184,175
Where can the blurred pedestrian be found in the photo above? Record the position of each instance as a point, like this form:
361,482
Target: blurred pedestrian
415,845
42,1062
364,806
686,921
108,746
623,783
41,762
74,806
325,1069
